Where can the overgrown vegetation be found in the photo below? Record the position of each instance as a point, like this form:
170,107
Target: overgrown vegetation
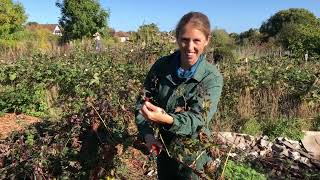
86,98
258,98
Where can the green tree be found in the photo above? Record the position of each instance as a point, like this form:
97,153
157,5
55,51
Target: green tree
81,18
32,23
301,38
222,44
250,37
147,33
220,38
12,17
295,29
275,23
235,36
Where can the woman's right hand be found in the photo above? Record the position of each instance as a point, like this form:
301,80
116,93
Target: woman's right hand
155,114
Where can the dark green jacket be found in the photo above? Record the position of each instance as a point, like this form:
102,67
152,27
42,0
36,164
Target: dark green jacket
196,99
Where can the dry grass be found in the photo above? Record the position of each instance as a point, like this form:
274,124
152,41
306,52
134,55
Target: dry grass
11,55
273,103
246,106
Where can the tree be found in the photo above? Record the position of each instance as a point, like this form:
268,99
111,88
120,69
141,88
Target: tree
234,36
220,38
147,33
295,29
12,17
81,18
301,38
222,44
252,36
275,23
32,23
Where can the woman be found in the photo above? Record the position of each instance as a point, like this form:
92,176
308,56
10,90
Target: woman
184,90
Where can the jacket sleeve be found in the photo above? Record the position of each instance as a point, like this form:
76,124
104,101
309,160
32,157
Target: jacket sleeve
202,108
150,84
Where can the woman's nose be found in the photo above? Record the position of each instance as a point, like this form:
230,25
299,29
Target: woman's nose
190,45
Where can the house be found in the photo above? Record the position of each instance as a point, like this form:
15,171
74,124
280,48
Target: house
53,28
122,36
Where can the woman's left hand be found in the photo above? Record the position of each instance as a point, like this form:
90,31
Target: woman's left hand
155,114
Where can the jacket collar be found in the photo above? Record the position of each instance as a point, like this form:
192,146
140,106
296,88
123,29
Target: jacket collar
201,71
198,75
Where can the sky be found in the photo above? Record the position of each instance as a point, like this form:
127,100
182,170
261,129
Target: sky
127,15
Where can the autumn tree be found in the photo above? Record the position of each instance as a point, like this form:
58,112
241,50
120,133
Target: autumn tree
81,18
12,18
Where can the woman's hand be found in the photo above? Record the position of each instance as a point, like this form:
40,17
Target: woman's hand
155,114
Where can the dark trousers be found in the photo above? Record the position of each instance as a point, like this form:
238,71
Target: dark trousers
169,168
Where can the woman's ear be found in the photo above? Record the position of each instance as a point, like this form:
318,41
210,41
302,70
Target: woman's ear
208,40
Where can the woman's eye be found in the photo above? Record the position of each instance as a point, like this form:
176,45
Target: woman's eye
184,40
197,40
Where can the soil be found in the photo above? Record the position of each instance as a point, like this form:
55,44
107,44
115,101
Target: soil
10,122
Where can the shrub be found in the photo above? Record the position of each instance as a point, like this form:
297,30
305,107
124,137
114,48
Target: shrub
291,128
252,127
223,54
316,123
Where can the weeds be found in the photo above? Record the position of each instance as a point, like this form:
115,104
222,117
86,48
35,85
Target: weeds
284,128
241,171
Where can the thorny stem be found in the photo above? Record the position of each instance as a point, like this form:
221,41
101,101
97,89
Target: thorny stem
164,145
154,126
194,170
198,173
65,145
35,177
225,163
185,103
194,162
104,123
99,115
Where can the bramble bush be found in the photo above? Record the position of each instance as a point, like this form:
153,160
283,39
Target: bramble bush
271,93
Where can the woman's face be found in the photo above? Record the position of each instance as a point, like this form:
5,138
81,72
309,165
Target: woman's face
192,43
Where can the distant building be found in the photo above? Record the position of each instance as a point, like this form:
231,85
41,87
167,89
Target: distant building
53,28
122,36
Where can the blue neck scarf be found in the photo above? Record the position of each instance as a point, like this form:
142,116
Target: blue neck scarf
187,74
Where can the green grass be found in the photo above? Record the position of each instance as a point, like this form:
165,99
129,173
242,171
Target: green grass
239,171
291,128
252,127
